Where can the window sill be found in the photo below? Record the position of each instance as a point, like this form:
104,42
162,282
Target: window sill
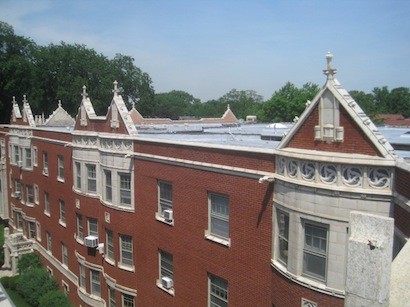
109,261
29,204
161,219
169,291
62,223
79,241
306,282
224,242
126,267
59,179
47,213
45,173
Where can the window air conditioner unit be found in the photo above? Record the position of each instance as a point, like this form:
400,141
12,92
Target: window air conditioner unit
20,163
168,215
167,282
91,241
17,194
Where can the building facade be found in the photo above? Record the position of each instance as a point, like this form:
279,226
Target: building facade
124,220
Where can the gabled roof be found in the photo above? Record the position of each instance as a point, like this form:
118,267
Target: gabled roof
16,110
59,118
356,114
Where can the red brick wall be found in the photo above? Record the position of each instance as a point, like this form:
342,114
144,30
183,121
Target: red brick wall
287,293
402,182
402,219
355,141
257,161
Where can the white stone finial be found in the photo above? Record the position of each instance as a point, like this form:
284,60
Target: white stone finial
329,71
14,100
84,93
228,107
24,99
59,103
133,104
115,90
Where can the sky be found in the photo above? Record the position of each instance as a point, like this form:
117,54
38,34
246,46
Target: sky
208,47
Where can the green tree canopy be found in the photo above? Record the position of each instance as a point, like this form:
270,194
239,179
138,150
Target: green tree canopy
174,104
53,299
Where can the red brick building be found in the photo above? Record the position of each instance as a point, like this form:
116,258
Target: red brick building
120,217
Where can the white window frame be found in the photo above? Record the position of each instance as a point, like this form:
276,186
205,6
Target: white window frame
60,168
111,297
110,246
82,279
91,178
309,250
49,242
218,291
38,231
108,185
80,228
31,230
92,223
16,154
35,156
95,283
47,204
63,212
30,195
166,269
78,178
45,163
217,216
126,300
164,196
64,255
126,252
36,194
125,189
28,162
282,222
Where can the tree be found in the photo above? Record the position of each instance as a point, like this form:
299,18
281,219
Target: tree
174,104
288,102
399,101
380,99
27,262
54,298
242,103
16,65
34,283
365,100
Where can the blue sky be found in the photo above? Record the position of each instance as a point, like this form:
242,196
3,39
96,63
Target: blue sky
209,47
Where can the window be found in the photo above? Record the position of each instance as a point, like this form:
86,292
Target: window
62,212
219,224
92,227
60,165
30,194
283,236
111,297
108,186
125,190
36,194
27,152
64,255
218,291
48,237
78,175
165,196
91,178
127,300
19,221
80,232
45,163
95,283
38,231
110,245
166,265
16,154
31,230
126,251
35,158
46,203
315,250
82,276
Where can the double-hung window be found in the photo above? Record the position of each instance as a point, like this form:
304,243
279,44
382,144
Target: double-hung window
111,297
315,250
108,186
127,300
48,238
218,291
91,178
46,203
283,236
95,283
125,190
64,254
126,251
219,215
166,265
28,161
80,231
62,212
30,194
110,245
82,276
93,227
35,154
16,153
45,163
165,196
60,165
78,175
31,230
